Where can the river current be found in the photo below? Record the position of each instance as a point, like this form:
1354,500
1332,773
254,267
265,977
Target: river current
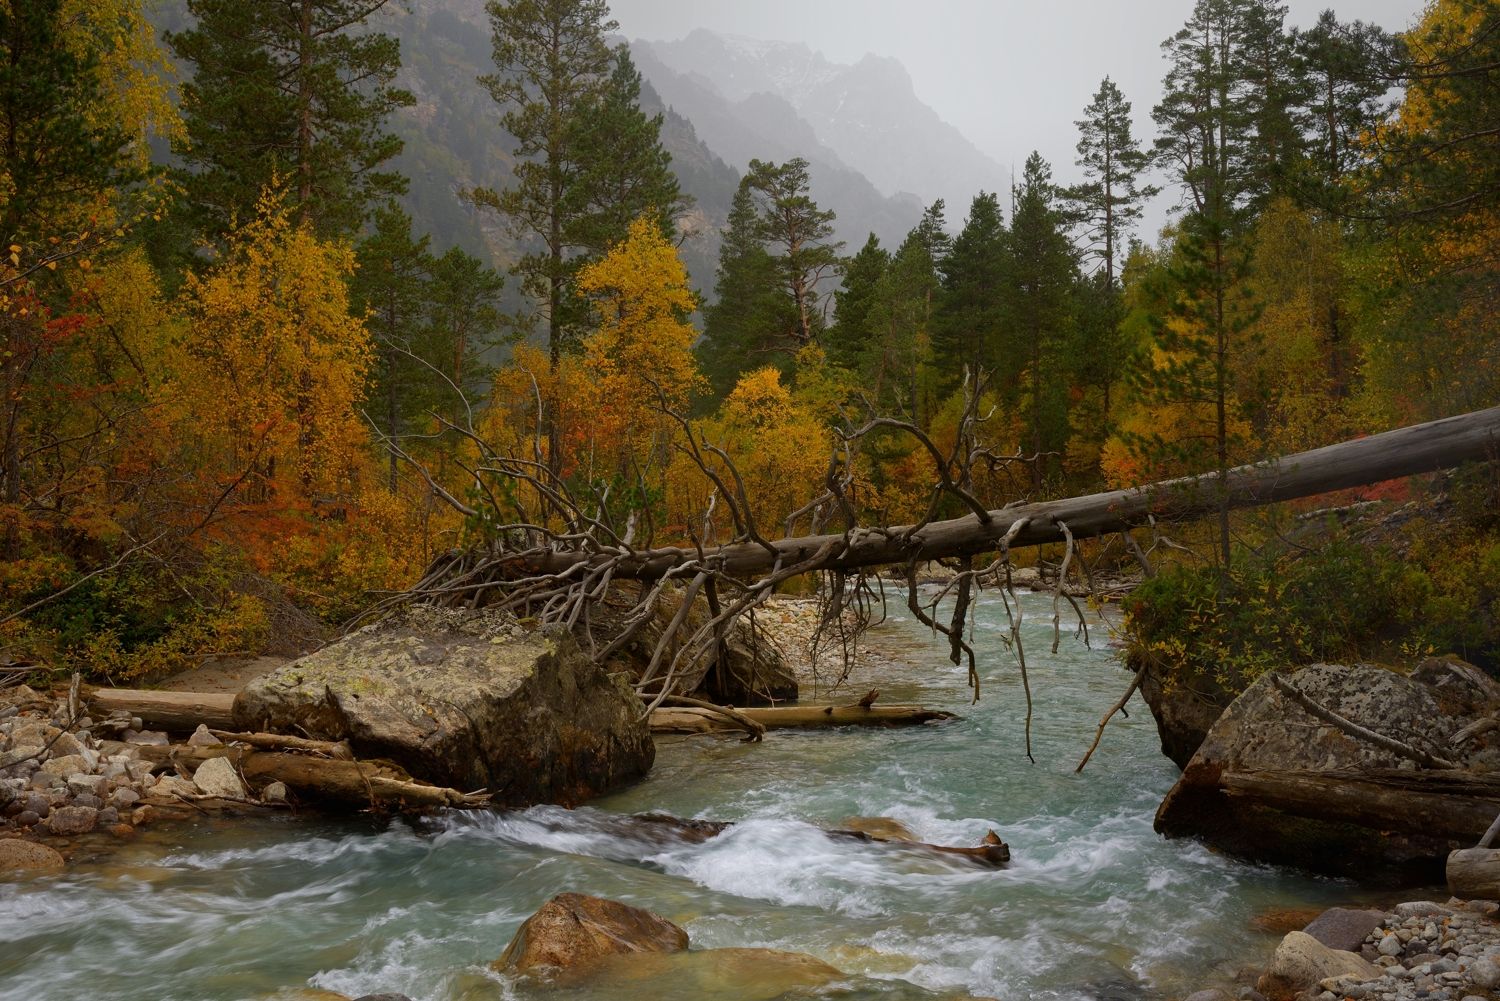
1095,905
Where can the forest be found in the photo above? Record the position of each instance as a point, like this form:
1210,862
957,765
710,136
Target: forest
244,398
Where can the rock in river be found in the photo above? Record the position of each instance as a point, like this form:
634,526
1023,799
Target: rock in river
573,930
16,854
469,700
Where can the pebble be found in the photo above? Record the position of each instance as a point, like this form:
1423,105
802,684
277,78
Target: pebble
1390,945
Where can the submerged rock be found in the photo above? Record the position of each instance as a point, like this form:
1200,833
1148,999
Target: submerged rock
733,974
468,700
573,930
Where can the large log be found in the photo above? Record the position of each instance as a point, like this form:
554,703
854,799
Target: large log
688,720
1422,448
179,712
327,781
1456,805
1474,874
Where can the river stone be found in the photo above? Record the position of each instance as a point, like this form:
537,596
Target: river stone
572,929
1301,961
217,777
1265,731
202,738
70,820
274,792
468,700
1344,928
1484,973
744,974
884,828
753,672
1211,994
17,855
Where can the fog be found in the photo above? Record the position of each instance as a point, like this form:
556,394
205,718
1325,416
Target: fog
1012,76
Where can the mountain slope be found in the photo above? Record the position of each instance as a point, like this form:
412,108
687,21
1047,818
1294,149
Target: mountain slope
868,115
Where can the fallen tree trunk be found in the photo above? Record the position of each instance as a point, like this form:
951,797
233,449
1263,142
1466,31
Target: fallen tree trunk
688,720
1474,873
1456,805
1422,448
339,782
180,712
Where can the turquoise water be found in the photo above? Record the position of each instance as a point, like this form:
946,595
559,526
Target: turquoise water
1094,906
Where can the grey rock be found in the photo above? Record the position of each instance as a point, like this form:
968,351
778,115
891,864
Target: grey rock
79,783
202,738
71,820
108,817
1301,962
1344,927
27,818
1211,994
124,798
65,765
466,700
155,737
217,777
275,792
89,800
38,804
1390,945
1421,908
1484,974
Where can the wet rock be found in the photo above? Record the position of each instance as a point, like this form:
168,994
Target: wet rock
572,930
17,855
744,974
1301,962
217,777
1344,928
202,738
1265,732
884,828
383,997
72,820
468,700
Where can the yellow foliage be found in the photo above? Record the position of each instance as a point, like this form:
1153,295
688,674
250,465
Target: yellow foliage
273,365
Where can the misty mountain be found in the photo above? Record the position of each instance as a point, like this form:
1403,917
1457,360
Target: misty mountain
868,114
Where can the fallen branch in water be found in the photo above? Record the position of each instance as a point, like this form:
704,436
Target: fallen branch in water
1119,706
694,720
756,731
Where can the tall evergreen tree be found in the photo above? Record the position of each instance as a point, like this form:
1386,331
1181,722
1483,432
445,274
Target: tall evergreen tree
971,311
298,90
463,315
799,236
1275,93
1111,197
844,341
743,327
1345,66
624,171
1042,278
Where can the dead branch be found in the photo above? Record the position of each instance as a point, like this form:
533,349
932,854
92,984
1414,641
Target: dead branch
1353,729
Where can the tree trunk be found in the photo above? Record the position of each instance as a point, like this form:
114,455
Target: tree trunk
794,717
1474,874
175,711
1423,448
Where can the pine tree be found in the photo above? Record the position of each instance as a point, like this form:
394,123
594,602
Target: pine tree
742,328
971,313
298,92
624,170
1346,79
844,340
1042,277
464,321
389,291
798,233
1111,197
1275,95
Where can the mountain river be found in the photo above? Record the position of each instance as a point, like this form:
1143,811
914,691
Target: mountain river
1095,905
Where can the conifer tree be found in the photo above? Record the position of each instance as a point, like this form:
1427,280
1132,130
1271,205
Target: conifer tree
844,341
970,315
1111,196
799,236
741,328
1346,79
1042,278
298,91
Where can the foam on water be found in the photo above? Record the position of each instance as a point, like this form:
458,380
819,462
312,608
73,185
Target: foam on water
1095,904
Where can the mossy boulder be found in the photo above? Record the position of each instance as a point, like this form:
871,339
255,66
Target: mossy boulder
470,700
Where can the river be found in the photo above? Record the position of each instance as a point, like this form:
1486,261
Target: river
1096,905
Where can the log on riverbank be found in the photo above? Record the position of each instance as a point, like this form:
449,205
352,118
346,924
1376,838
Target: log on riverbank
324,780
175,712
689,720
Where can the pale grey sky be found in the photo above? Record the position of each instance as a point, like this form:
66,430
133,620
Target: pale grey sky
1011,75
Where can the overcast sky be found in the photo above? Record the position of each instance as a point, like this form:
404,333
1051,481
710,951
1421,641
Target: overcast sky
1012,75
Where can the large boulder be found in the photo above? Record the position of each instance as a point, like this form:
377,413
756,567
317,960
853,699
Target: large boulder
1344,928
469,700
751,672
1264,732
1185,709
16,855
1301,962
572,930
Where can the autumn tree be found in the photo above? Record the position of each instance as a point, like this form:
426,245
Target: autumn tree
298,91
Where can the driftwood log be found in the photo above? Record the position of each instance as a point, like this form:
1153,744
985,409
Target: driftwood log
1474,874
991,853
176,712
692,720
1448,804
323,780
